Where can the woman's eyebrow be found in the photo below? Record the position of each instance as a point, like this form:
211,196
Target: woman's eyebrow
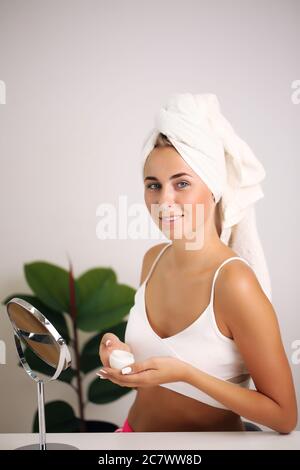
171,177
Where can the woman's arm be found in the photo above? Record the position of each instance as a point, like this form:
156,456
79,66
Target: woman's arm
252,321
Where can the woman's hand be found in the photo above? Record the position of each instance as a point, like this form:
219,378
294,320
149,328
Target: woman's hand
105,349
151,372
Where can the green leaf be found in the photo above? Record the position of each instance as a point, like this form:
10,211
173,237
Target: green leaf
92,281
103,391
89,359
67,375
56,318
59,417
50,283
106,307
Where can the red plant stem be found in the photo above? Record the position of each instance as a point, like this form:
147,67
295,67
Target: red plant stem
73,311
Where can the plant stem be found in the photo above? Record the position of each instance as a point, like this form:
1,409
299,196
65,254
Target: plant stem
74,388
76,348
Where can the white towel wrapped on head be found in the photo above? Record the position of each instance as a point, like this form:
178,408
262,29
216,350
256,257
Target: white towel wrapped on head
208,143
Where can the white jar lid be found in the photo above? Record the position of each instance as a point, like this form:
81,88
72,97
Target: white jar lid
120,358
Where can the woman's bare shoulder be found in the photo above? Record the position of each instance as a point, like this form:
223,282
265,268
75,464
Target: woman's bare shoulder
155,249
149,258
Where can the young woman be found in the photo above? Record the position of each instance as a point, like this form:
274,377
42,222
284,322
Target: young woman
201,325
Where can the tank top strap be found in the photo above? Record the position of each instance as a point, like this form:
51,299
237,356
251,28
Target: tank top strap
155,261
218,270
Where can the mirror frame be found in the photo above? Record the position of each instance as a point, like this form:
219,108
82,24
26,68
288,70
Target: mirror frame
64,354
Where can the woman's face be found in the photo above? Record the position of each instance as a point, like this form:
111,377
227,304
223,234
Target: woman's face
172,188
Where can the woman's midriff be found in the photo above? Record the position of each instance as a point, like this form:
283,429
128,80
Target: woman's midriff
158,409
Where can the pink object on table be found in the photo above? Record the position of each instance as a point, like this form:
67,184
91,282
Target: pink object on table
125,428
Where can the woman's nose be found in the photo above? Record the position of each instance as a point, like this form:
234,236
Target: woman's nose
166,198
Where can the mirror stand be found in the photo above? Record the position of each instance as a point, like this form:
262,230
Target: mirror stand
32,329
42,427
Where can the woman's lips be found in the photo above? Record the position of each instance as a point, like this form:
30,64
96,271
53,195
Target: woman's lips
172,218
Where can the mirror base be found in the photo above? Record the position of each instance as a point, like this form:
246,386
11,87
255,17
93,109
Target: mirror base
50,446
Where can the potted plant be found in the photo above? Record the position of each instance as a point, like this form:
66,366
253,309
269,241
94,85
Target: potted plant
94,302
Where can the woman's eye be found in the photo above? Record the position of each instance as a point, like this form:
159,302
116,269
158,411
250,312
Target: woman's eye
186,183
149,185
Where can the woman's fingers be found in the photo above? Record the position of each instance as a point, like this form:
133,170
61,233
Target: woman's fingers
108,343
117,382
104,350
108,339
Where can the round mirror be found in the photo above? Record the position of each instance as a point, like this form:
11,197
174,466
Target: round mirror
32,329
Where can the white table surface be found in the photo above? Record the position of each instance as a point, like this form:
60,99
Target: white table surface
253,440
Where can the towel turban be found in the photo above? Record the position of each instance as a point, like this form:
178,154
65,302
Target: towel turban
207,142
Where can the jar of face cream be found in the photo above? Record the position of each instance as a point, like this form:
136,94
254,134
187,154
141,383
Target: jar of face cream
119,359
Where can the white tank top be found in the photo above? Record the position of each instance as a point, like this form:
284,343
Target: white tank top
201,344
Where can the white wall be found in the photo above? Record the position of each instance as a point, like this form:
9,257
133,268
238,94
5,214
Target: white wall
83,81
